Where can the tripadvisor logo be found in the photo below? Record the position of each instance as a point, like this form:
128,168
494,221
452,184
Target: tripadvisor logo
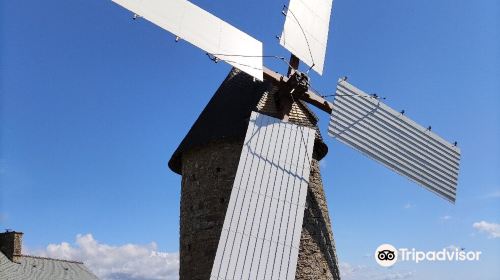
387,255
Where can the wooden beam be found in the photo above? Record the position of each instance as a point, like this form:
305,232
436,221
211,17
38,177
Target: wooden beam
317,101
294,64
309,97
272,75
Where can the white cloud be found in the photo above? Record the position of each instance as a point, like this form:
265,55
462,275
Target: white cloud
495,194
348,270
445,218
3,217
125,262
492,229
452,248
362,272
397,276
408,206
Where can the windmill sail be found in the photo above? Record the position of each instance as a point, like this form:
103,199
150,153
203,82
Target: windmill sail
366,124
305,33
263,223
202,29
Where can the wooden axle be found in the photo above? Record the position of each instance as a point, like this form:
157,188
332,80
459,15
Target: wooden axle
306,95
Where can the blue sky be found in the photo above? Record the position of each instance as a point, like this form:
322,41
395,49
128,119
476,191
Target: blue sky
93,104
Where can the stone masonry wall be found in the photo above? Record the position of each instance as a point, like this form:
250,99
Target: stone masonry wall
207,179
11,243
208,173
317,255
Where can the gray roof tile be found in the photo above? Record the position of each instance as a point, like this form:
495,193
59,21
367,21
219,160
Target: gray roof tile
38,268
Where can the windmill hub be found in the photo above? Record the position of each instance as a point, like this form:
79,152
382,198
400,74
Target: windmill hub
290,90
300,82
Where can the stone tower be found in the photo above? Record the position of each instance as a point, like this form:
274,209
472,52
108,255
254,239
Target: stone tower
208,158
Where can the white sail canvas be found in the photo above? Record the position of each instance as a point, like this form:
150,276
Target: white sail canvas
391,138
204,30
263,223
305,33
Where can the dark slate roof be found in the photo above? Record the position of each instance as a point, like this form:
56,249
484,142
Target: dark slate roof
227,114
39,268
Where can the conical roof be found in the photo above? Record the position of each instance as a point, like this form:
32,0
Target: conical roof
227,114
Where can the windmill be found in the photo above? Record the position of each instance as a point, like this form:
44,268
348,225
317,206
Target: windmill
258,225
